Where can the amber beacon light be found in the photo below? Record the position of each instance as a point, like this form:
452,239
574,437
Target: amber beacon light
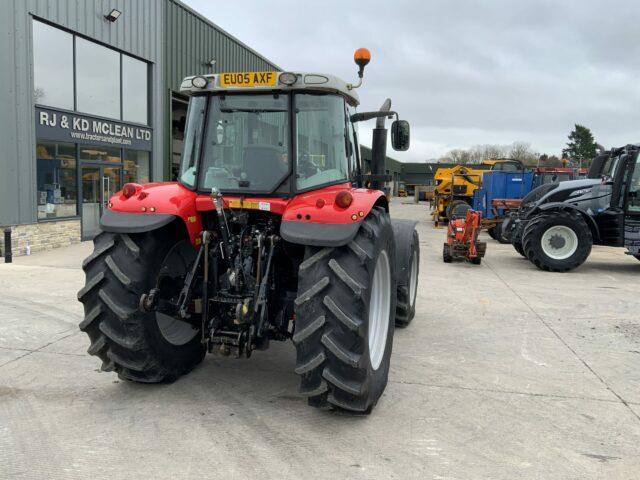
362,57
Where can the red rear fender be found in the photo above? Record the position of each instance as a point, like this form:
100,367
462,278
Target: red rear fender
319,206
314,218
159,200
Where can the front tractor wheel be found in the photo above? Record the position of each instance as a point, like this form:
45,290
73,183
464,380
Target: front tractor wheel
407,247
143,347
557,241
345,313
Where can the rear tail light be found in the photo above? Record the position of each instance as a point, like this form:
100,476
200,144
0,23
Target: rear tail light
344,199
129,190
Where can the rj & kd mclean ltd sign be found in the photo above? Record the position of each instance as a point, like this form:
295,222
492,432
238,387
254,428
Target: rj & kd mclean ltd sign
76,128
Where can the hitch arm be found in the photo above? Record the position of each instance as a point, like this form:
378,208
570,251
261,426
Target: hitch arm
261,301
185,293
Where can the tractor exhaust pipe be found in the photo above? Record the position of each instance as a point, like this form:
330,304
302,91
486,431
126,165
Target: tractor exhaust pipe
379,147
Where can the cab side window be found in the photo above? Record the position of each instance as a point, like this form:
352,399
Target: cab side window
353,147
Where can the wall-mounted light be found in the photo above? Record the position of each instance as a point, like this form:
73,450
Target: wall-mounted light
210,63
113,15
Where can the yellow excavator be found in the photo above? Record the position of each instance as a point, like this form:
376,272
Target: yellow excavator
455,185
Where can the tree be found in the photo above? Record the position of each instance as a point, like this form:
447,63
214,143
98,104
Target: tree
522,151
458,156
479,153
554,161
581,146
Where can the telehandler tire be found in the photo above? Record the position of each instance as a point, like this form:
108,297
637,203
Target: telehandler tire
139,346
345,312
407,270
557,241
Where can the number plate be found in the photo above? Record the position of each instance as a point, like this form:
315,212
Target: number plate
248,79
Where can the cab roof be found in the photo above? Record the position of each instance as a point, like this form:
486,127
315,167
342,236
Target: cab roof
495,161
304,81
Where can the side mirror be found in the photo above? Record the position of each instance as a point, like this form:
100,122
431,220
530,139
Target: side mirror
400,135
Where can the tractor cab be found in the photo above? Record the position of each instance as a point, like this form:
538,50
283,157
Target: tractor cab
273,133
504,165
619,170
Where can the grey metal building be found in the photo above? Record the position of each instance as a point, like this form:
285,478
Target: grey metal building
89,95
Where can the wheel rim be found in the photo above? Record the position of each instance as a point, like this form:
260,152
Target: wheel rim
413,279
559,242
379,309
175,265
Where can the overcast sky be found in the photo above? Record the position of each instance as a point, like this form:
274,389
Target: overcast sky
464,72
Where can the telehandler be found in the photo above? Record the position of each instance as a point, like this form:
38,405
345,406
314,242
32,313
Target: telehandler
456,185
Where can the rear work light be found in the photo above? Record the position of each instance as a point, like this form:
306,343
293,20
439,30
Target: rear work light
344,199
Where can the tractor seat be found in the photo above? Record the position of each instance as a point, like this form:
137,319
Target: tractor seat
460,211
264,164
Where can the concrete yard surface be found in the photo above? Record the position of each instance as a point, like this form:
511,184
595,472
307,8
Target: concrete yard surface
507,372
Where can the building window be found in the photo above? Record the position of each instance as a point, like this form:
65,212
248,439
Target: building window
98,79
134,90
52,66
107,83
89,153
136,166
56,180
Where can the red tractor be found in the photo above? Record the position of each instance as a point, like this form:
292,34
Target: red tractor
268,234
462,236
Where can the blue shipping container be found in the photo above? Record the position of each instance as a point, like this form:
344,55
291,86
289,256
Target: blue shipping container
497,184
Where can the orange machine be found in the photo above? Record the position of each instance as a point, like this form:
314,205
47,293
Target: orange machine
462,237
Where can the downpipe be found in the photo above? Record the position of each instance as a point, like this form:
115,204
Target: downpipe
8,255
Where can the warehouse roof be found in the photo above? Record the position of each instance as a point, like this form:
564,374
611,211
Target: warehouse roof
224,32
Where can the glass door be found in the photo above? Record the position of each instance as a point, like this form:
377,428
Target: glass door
110,183
91,202
99,183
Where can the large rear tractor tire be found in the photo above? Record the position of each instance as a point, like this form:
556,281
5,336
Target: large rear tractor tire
143,347
557,241
345,313
407,270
